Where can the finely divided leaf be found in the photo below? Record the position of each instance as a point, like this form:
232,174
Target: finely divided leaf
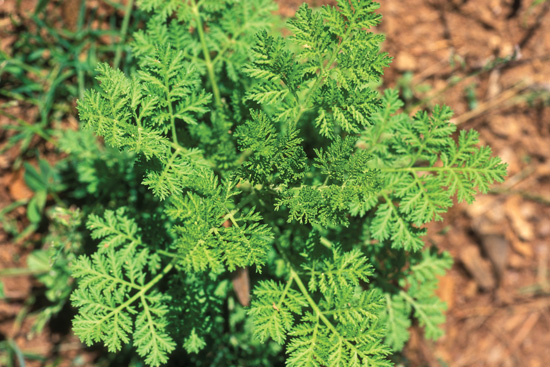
115,298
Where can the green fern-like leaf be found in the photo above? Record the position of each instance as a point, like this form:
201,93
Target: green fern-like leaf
114,296
422,169
210,232
342,328
397,320
146,116
295,82
418,298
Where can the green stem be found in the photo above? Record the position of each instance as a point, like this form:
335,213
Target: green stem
321,77
325,242
285,291
170,109
58,200
114,279
231,216
317,311
207,59
173,123
420,312
379,129
166,253
123,31
525,194
139,294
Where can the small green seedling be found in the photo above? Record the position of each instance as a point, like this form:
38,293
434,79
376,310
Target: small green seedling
277,156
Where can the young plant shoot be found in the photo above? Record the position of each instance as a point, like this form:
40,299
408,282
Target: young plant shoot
279,156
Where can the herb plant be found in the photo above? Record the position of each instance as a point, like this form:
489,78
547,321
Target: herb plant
276,156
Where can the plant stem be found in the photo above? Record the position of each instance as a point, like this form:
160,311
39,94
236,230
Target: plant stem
294,276
317,311
420,312
123,31
207,59
139,294
320,77
285,291
170,110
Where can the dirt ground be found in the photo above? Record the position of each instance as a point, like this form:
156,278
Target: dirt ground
490,61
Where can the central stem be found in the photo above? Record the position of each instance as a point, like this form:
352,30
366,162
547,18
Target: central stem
207,59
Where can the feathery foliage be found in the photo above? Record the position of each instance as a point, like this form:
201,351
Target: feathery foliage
279,155
115,295
341,328
422,168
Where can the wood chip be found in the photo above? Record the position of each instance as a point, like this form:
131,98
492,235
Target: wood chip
525,329
497,249
445,289
241,285
479,268
521,247
18,188
523,228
